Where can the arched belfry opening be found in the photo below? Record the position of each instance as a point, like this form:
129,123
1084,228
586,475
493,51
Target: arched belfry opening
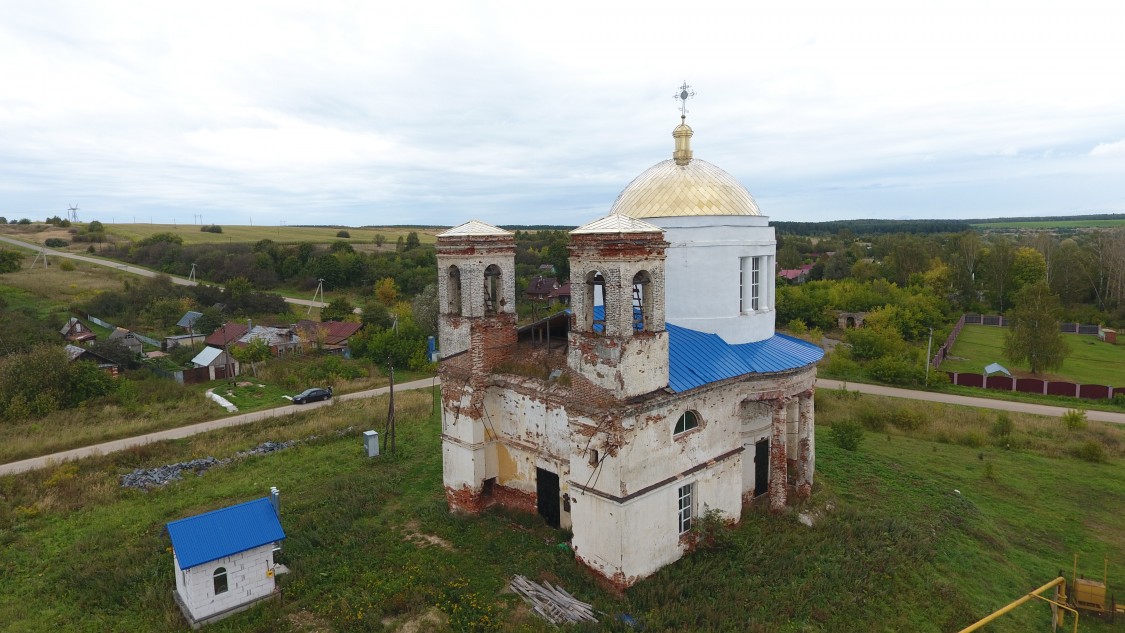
595,296
493,289
454,291
642,302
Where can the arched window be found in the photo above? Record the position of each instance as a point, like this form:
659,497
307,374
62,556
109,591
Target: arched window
595,296
642,302
688,421
220,578
453,289
492,289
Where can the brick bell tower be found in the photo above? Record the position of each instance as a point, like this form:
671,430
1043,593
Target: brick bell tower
477,316
476,286
617,336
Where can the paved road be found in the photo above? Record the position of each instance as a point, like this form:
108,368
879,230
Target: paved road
35,463
968,401
136,270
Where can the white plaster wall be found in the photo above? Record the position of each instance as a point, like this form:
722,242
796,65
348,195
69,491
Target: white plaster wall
530,420
627,365
703,269
634,539
247,580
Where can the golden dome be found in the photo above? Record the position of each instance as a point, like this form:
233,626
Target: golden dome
695,188
684,186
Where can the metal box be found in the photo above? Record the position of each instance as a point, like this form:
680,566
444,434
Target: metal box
371,443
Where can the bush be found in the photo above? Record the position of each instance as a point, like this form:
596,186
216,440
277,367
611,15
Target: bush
896,371
1090,451
211,228
1002,427
54,242
847,434
907,420
1074,419
841,365
873,419
343,234
66,265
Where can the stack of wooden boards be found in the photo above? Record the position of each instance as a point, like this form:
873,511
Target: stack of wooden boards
553,603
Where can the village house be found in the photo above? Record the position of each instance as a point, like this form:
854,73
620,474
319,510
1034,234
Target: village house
76,353
663,394
332,337
77,332
540,288
224,560
187,322
128,339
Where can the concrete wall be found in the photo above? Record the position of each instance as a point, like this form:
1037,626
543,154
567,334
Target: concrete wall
247,581
703,274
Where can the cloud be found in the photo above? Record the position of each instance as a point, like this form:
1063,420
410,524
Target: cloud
1116,148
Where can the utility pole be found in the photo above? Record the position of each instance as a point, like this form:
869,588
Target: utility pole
389,430
929,346
319,290
191,276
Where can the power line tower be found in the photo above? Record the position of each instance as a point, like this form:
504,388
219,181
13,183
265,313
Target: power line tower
72,213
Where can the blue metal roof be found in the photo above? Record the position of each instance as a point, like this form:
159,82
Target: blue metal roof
213,535
697,358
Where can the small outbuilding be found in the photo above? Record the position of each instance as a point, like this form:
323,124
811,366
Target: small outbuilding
224,559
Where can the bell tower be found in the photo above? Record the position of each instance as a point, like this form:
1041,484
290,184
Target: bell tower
476,288
617,336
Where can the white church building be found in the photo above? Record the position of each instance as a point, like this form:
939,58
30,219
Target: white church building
664,392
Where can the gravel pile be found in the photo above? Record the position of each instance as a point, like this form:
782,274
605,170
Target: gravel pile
148,478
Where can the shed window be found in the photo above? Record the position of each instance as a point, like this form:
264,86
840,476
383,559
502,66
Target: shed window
688,421
220,578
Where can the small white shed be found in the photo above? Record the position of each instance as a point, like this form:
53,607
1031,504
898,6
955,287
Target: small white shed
223,560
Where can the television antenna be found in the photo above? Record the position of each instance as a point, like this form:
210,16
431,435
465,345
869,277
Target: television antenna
72,213
319,291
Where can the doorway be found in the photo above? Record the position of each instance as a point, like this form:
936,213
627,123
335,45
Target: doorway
547,496
761,467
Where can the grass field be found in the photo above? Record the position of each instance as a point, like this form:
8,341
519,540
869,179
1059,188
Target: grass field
912,534
1091,360
192,234
54,289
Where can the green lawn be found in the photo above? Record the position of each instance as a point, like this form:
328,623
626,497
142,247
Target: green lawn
911,535
1091,360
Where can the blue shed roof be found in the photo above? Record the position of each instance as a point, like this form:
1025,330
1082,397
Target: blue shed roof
189,318
213,535
697,358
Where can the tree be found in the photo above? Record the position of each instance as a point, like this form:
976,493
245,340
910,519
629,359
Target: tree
386,291
380,239
338,310
209,321
1028,267
1033,334
996,267
254,352
412,241
424,309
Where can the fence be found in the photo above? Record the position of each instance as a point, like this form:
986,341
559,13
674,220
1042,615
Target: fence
1035,385
999,321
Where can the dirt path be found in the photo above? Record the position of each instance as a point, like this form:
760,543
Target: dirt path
136,270
968,401
201,427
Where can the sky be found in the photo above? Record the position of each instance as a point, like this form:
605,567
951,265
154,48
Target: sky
373,113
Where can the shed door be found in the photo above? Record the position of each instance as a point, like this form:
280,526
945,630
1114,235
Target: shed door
547,496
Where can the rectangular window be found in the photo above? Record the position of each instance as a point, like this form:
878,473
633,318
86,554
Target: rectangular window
755,278
685,508
742,284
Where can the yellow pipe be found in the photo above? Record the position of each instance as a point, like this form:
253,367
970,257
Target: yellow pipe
996,614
